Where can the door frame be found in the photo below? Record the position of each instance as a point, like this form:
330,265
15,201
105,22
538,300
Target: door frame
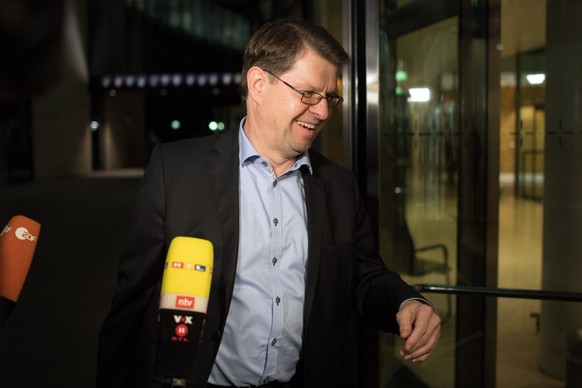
479,35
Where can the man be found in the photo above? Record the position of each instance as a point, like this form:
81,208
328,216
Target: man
294,252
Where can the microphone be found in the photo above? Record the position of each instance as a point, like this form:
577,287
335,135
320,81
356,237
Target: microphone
18,242
183,305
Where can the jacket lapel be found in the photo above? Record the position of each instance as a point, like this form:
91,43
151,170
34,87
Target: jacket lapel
316,204
224,177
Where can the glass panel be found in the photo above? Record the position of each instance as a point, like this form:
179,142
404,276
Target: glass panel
418,190
520,218
203,20
530,77
541,147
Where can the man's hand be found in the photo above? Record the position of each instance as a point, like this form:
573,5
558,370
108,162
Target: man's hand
420,327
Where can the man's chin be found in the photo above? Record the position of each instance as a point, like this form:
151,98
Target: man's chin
302,149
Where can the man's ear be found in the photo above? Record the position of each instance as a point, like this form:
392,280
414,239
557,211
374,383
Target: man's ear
257,80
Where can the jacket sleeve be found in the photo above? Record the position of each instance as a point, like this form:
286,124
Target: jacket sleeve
379,291
139,272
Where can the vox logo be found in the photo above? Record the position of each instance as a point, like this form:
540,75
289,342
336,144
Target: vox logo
182,319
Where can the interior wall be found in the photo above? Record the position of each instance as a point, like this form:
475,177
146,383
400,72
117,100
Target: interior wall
124,135
60,117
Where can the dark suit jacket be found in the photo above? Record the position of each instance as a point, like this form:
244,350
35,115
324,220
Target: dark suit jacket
190,188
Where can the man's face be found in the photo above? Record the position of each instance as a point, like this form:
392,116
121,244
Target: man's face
289,125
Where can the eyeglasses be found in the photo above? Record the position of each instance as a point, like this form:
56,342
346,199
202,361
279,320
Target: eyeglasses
311,97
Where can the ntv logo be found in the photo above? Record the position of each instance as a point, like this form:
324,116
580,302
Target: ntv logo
186,302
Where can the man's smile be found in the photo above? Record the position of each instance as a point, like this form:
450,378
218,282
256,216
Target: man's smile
306,125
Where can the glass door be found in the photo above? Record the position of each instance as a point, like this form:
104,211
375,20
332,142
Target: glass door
473,115
419,162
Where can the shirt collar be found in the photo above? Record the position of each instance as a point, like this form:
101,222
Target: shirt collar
248,153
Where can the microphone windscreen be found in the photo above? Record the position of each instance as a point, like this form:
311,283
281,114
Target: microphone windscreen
183,304
17,245
187,275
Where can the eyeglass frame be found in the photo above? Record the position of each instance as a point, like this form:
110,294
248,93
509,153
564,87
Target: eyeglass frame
332,101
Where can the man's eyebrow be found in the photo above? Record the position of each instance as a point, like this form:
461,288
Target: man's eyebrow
312,90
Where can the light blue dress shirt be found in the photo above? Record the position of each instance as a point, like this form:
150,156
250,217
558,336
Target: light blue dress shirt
262,337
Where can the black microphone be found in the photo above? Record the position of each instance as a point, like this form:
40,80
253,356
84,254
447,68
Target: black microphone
183,305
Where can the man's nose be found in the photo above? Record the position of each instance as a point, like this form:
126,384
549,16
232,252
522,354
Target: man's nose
321,109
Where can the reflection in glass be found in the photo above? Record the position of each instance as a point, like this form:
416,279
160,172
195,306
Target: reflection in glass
419,165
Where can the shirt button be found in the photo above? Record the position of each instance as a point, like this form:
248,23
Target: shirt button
274,342
275,183
275,221
278,300
274,261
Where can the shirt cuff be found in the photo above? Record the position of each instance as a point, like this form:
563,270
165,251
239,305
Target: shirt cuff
421,300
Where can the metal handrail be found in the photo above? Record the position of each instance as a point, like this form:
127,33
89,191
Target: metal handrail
501,292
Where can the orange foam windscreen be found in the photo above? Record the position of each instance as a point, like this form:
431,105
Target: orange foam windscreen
17,245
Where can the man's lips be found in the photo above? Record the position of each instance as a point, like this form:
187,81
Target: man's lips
306,125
